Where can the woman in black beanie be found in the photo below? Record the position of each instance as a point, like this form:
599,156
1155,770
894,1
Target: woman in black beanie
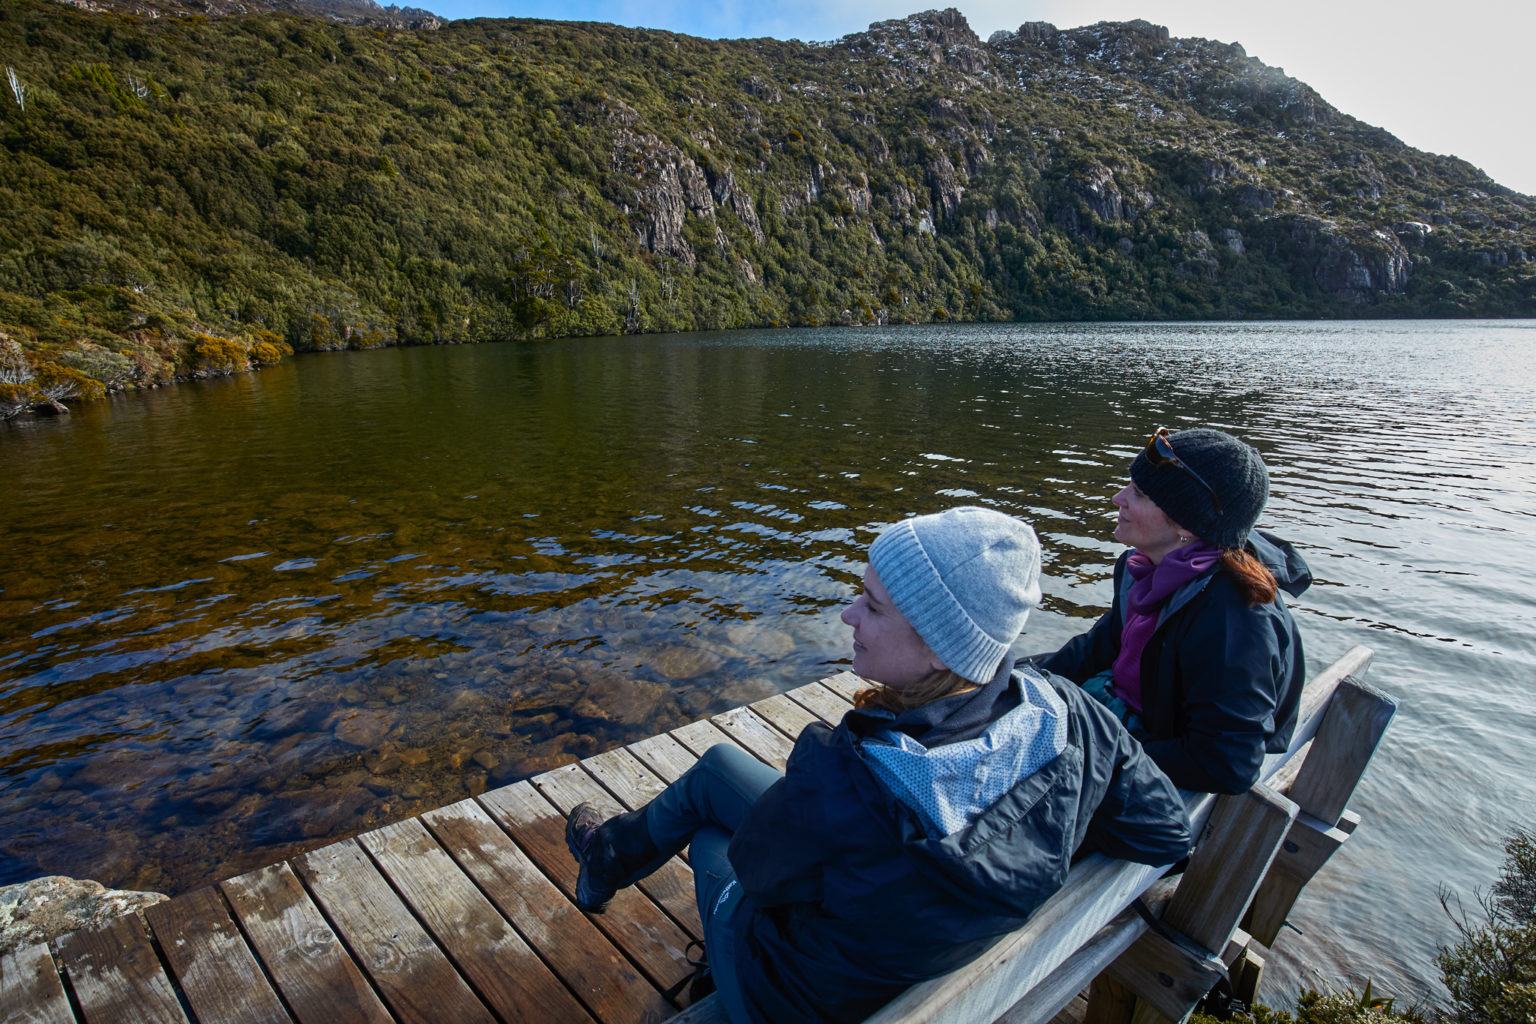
1198,654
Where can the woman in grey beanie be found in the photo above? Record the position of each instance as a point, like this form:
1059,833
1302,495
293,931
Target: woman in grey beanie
938,815
1198,655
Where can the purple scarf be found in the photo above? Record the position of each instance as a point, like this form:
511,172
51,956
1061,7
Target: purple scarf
1154,585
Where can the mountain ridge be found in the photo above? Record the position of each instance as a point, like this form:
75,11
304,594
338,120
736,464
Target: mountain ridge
333,181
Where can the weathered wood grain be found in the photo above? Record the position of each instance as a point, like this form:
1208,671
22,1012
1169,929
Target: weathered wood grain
1346,740
305,959
699,736
625,776
845,685
784,715
1063,986
508,975
663,755
1234,853
1315,698
654,943
755,736
30,989
589,965
415,978
116,976
821,702
217,971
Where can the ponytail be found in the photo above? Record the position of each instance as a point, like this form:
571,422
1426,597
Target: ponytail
1252,577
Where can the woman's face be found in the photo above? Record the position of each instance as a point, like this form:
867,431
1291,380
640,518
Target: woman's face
886,649
1145,527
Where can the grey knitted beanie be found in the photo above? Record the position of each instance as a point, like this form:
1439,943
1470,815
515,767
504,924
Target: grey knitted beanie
1236,476
965,579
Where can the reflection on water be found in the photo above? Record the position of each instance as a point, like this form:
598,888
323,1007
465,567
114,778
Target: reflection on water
253,615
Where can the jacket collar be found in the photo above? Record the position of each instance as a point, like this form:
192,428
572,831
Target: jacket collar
960,717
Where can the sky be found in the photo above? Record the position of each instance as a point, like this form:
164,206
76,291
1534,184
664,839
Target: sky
1447,78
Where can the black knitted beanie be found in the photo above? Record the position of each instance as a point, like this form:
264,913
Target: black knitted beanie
1234,471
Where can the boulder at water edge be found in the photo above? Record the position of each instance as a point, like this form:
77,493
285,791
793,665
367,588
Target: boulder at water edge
45,908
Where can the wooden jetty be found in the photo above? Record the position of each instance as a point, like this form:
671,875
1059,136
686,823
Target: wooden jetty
463,914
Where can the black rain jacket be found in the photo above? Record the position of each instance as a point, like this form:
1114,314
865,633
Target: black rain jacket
1220,680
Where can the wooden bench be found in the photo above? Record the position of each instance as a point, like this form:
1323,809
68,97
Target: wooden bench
464,913
1255,852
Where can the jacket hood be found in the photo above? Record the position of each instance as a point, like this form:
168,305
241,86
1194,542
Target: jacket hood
1282,559
949,784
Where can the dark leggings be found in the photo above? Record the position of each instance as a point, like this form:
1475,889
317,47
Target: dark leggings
702,809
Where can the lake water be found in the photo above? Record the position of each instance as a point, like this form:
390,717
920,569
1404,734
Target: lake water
246,617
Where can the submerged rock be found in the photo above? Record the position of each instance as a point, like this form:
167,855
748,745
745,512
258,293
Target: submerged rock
45,908
684,662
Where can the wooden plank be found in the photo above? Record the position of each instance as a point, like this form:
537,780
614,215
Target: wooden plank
821,702
699,736
1170,975
1061,988
709,1010
1352,727
1075,1012
116,976
662,754
1096,891
845,685
1109,1001
670,886
508,975
416,980
1315,698
30,989
651,939
625,776
217,971
305,960
1306,849
1234,853
784,715
1238,844
1247,973
589,965
756,736
1357,718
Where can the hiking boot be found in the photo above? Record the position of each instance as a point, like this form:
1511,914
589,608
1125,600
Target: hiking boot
611,854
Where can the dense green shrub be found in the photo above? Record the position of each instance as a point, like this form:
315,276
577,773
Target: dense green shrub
1491,970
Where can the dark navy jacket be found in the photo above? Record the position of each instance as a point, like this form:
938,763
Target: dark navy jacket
847,900
1220,680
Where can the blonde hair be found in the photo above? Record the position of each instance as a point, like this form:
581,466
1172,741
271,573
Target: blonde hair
934,686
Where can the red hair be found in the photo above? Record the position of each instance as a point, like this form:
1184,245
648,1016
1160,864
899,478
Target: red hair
1252,577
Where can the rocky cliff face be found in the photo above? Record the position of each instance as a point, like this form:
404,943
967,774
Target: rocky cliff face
909,172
